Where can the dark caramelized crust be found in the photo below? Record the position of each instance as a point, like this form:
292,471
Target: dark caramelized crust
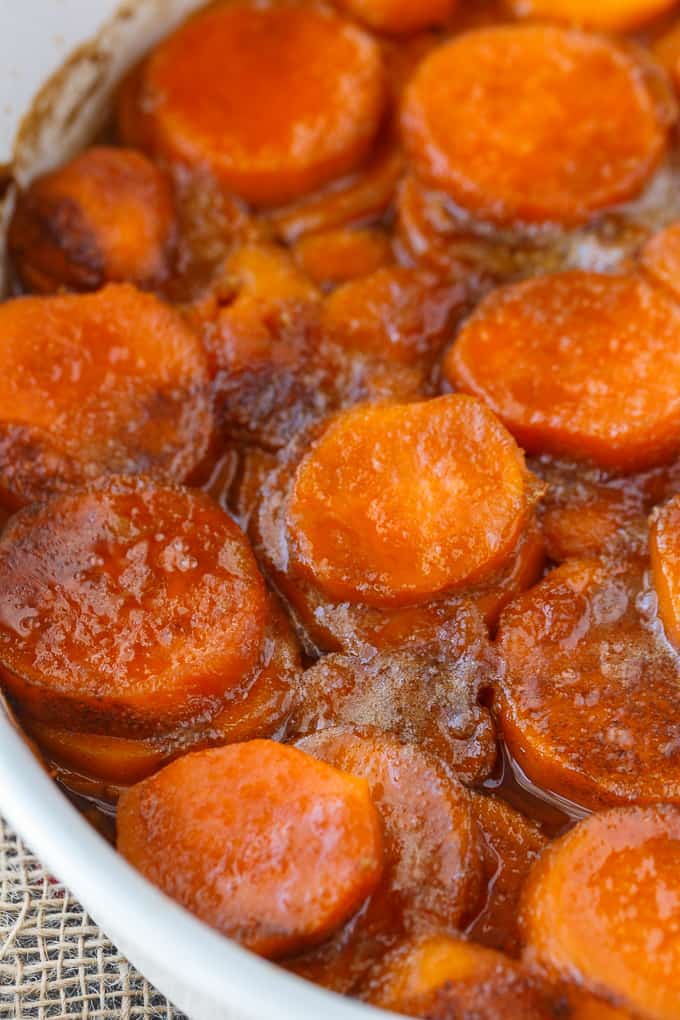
106,216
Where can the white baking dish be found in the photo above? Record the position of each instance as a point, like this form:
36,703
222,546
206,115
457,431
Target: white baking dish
207,976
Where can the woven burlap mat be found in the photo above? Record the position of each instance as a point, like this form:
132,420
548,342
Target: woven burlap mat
54,961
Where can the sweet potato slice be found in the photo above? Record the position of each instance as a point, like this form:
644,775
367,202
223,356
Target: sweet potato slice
666,50
258,708
120,761
98,383
601,908
275,849
127,607
511,844
395,504
587,700
430,838
332,257
665,555
532,124
578,364
400,16
431,870
660,258
105,216
395,313
606,15
362,197
358,628
259,94
440,977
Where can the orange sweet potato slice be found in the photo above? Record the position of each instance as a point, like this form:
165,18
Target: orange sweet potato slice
586,703
335,256
578,364
606,15
532,124
666,50
119,761
395,504
399,314
665,556
431,869
98,383
600,908
430,838
105,216
276,848
259,93
440,976
400,16
127,607
510,844
660,258
260,707
362,197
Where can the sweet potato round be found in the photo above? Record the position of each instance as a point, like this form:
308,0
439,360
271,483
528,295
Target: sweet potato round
103,383
532,123
578,364
394,504
274,98
126,607
268,845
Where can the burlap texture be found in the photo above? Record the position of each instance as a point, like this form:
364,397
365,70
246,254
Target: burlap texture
54,961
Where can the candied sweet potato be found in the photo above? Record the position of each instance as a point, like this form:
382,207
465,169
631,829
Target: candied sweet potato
259,94
578,364
362,197
399,314
97,384
511,843
257,708
606,15
126,607
400,16
665,556
276,848
358,628
587,700
332,257
431,870
600,908
660,258
439,977
395,504
106,216
525,123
